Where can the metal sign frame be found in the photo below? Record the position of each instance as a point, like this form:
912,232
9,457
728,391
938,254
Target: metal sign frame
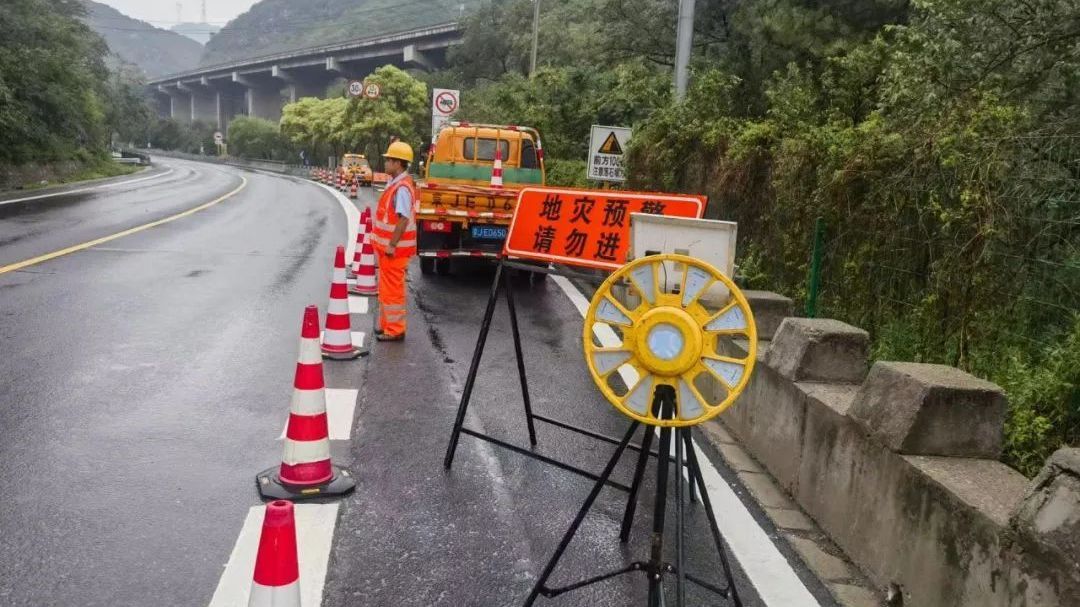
500,284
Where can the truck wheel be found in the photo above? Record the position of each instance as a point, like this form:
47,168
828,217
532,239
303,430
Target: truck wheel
427,265
442,266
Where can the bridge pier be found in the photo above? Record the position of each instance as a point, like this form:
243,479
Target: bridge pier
179,103
417,59
262,96
205,104
299,85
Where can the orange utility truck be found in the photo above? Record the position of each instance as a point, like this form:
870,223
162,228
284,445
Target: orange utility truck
356,168
461,214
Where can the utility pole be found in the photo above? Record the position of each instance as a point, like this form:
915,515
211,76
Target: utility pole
684,44
179,13
536,36
204,11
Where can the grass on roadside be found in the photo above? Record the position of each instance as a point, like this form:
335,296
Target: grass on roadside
96,169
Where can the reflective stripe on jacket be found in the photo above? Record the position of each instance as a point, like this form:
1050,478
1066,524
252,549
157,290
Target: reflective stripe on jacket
386,220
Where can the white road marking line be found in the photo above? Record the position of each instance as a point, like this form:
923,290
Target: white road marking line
87,189
358,305
340,407
352,218
314,535
772,576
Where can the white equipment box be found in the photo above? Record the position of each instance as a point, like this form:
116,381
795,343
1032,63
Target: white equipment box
709,240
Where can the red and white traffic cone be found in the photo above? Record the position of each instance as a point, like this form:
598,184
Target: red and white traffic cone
361,236
354,190
496,170
306,470
337,341
365,283
276,582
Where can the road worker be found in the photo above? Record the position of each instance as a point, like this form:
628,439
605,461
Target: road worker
394,239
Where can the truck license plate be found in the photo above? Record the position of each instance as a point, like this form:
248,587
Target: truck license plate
489,232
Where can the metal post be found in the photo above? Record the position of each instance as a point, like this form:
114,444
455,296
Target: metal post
535,36
474,367
814,286
684,44
509,288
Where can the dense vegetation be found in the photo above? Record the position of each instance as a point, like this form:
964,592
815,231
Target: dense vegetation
938,139
272,26
154,51
59,104
331,127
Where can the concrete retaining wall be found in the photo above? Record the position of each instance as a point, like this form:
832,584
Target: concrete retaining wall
897,463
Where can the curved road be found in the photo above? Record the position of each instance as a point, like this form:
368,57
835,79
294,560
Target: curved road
145,380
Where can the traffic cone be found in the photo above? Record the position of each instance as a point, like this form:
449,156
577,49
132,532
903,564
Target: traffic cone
361,236
276,582
354,190
365,273
496,170
306,470
337,337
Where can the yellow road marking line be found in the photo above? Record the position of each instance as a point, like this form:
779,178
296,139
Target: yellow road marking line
93,243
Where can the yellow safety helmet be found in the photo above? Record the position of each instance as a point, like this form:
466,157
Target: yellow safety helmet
399,150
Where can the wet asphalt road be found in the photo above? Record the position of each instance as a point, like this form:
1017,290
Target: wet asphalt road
144,382
479,535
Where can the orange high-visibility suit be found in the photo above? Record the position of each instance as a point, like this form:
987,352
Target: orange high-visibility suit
392,269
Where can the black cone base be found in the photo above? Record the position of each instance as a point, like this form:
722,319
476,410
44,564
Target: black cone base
271,487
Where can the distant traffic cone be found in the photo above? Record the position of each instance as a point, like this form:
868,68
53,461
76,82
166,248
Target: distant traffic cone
365,283
276,582
354,189
306,470
361,236
337,341
496,170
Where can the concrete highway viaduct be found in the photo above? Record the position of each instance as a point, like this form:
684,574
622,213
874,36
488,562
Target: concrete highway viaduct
261,86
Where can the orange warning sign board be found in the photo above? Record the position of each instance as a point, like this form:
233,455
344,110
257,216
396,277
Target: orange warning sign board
588,228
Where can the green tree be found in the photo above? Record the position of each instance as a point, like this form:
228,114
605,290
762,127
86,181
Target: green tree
400,111
51,75
257,138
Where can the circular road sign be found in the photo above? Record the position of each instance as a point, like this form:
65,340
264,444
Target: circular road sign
372,90
446,103
356,88
218,137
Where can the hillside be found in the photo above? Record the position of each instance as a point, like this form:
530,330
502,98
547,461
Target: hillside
199,32
272,26
155,51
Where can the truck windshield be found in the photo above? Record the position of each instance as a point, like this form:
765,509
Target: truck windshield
484,149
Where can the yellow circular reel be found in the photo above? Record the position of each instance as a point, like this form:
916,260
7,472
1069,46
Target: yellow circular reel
670,339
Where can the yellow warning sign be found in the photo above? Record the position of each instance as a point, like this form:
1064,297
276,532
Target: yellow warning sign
611,145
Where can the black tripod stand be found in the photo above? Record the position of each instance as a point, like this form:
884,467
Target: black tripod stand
656,568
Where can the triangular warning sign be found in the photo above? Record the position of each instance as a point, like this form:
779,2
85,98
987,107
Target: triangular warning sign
611,145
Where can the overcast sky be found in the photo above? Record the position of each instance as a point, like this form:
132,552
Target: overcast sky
162,13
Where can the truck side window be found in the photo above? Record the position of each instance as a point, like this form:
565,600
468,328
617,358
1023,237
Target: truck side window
528,154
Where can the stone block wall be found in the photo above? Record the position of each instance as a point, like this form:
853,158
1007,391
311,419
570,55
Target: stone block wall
898,464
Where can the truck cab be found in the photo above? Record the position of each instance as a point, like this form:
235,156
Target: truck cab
461,214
